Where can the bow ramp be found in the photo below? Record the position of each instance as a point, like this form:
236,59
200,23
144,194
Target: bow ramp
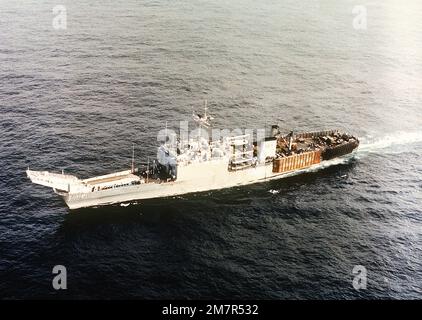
56,181
65,183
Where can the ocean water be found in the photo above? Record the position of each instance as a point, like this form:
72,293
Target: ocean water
76,99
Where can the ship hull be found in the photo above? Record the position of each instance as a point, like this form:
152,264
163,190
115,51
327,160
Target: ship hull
197,180
203,166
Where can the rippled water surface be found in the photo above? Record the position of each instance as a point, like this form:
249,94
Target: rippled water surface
77,99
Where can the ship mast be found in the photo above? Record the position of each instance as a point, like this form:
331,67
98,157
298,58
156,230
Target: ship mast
133,158
148,169
205,109
165,138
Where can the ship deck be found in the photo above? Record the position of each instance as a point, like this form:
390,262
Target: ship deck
100,180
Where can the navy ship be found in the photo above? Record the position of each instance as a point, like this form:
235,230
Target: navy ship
199,164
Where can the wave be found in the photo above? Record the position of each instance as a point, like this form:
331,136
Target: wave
128,204
370,144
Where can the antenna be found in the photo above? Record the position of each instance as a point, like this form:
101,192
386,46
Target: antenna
165,139
133,158
263,146
207,116
147,169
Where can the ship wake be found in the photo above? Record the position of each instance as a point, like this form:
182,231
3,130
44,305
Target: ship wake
391,143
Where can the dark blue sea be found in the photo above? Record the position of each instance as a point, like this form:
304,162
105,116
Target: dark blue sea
76,99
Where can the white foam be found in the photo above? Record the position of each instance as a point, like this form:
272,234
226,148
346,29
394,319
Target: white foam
401,138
